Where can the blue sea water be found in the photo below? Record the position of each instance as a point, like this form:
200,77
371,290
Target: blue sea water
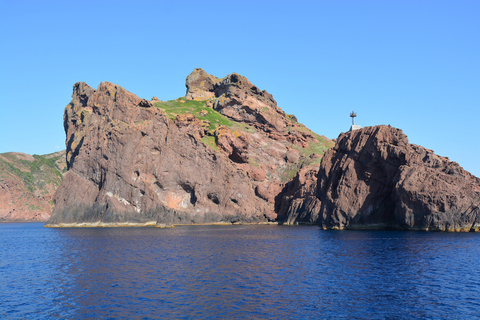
236,272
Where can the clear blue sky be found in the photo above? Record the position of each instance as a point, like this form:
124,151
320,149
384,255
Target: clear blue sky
412,64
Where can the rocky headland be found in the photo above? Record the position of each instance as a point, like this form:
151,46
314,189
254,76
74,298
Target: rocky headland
224,153
27,185
375,179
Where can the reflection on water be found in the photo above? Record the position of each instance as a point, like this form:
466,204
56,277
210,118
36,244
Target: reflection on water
236,272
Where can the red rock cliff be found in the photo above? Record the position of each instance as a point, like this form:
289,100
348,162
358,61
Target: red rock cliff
129,164
223,154
373,178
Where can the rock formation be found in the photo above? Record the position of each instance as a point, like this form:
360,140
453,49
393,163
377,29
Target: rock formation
27,185
226,153
221,155
200,85
373,178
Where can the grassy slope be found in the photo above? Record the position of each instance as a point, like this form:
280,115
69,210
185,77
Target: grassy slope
182,106
202,112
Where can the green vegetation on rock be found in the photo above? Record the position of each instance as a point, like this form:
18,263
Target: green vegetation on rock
203,112
34,207
320,147
289,172
36,174
210,141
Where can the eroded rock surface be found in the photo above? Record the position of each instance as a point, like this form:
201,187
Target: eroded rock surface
373,178
238,99
203,159
200,85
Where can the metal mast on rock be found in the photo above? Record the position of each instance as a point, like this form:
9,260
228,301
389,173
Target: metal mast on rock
354,126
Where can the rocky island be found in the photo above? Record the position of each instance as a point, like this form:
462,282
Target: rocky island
226,153
221,154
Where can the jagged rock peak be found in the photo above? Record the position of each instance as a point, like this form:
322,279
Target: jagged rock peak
238,99
374,178
200,85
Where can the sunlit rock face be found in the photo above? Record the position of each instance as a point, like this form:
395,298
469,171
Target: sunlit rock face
130,164
224,153
374,178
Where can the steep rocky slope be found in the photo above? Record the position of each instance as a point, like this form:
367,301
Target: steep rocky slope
224,153
373,178
27,185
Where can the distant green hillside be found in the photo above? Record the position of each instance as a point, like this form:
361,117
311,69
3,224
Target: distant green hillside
28,183
36,173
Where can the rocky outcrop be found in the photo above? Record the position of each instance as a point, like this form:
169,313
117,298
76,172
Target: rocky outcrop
191,125
373,178
200,85
226,153
232,144
302,188
132,165
27,185
138,162
241,101
238,99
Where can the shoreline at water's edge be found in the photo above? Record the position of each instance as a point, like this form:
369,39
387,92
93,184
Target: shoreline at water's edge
23,221
372,227
152,224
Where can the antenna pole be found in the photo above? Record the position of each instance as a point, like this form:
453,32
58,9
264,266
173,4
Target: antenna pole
353,115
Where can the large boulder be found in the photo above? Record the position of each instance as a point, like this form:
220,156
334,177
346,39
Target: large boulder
374,178
200,85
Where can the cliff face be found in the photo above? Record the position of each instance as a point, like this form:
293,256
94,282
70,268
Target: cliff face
27,185
222,154
373,178
227,153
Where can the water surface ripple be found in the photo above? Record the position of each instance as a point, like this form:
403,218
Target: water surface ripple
236,272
